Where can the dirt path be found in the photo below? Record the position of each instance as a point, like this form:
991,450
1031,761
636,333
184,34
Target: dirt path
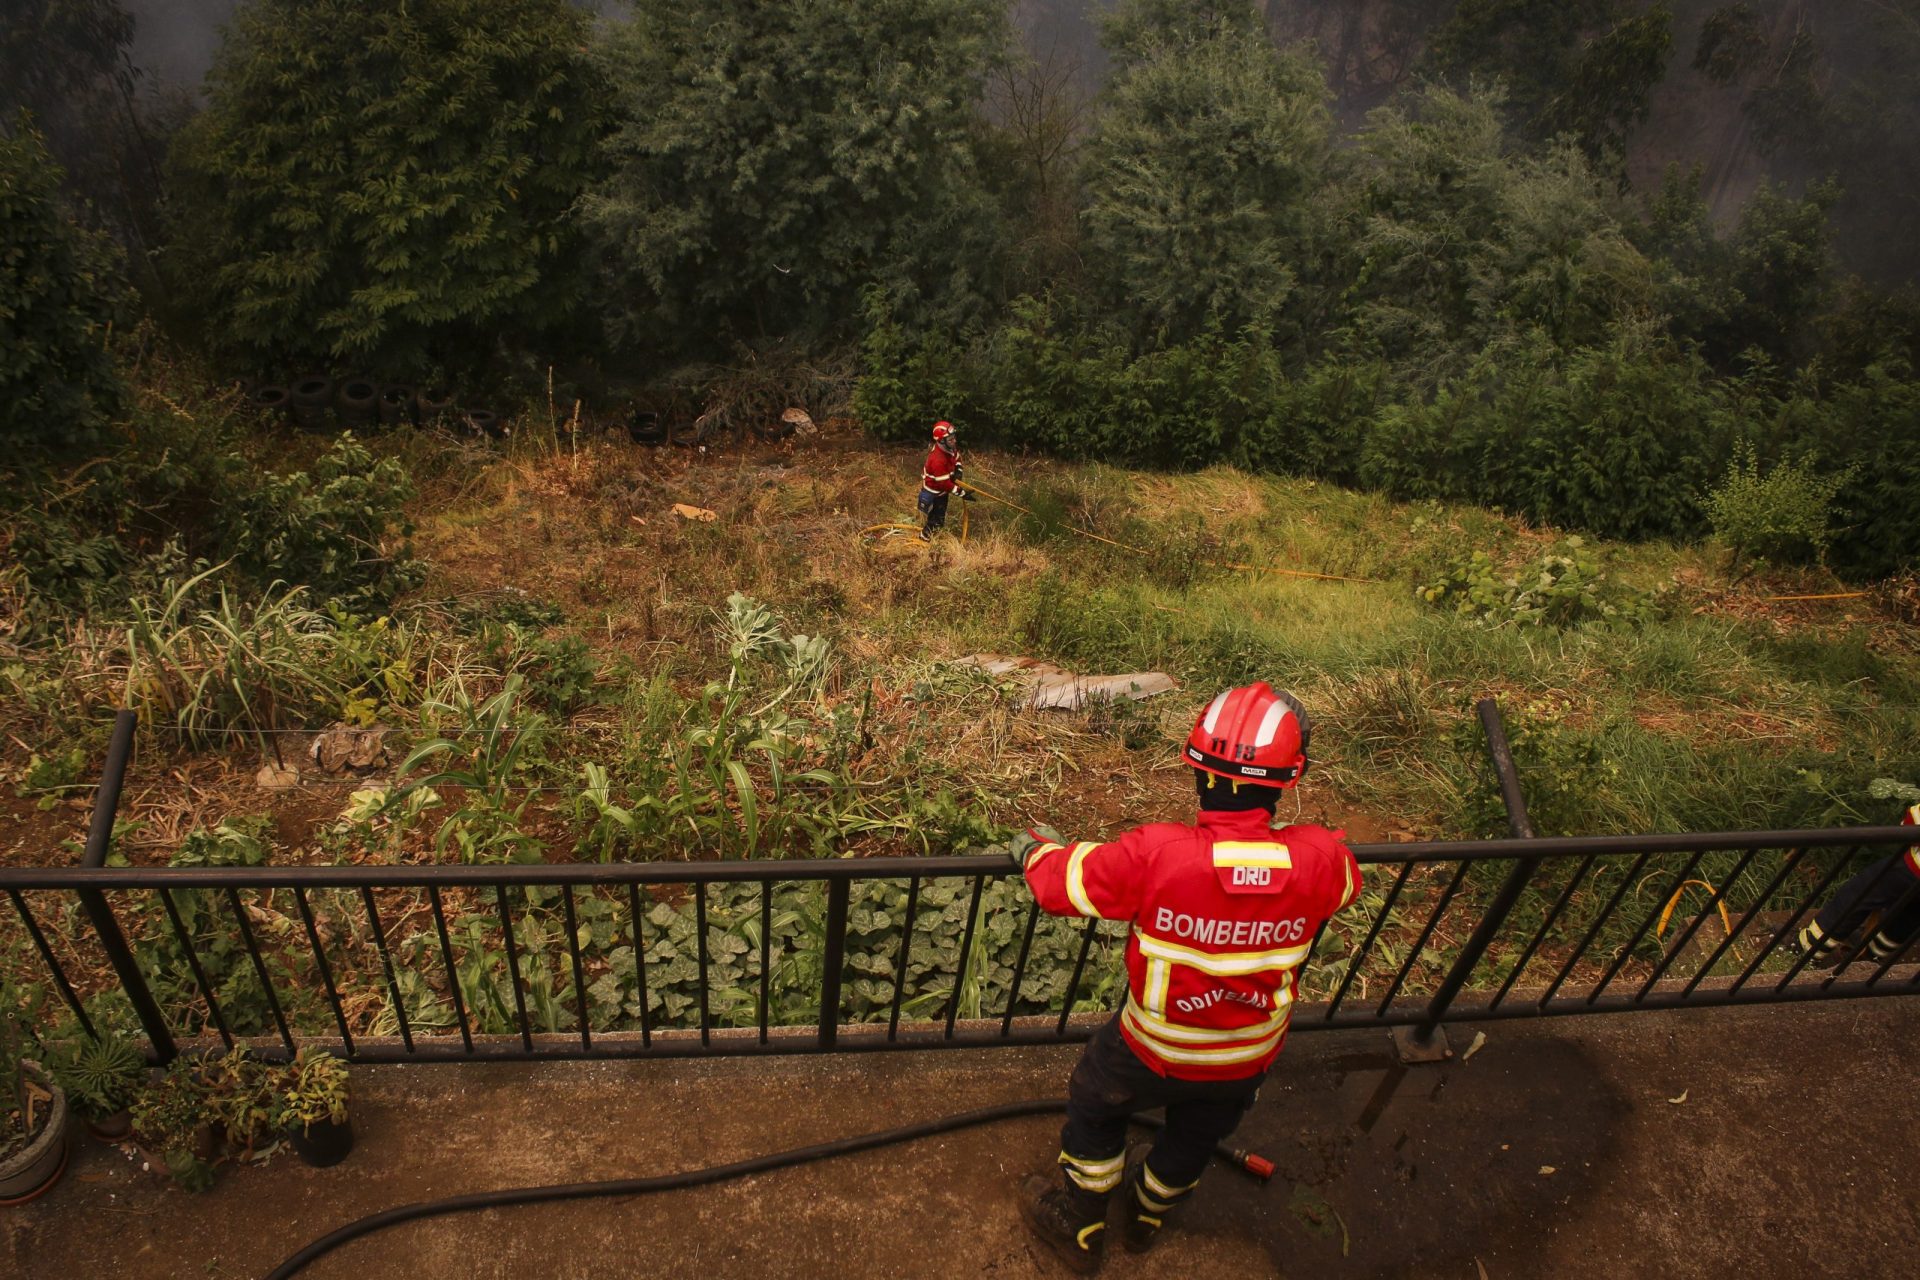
1771,1166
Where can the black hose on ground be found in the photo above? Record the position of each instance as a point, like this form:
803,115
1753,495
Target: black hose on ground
1253,1165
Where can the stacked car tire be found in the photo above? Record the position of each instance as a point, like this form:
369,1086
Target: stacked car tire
321,403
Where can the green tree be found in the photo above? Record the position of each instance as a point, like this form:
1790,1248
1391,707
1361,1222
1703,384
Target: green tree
389,182
1201,177
58,291
773,160
1579,66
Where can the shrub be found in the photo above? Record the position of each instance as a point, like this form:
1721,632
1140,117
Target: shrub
58,383
1562,587
1786,511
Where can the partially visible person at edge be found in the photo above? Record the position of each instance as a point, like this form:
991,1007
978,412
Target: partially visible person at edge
938,478
1887,892
1224,912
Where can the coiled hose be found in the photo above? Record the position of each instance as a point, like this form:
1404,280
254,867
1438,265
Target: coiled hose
1253,1165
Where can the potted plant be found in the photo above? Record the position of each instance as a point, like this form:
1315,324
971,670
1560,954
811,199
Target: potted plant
241,1092
312,1108
101,1078
174,1126
33,1109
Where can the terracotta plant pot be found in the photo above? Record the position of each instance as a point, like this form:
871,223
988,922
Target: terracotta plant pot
113,1128
29,1172
324,1144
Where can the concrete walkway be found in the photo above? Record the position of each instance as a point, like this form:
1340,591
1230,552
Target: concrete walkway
1751,1143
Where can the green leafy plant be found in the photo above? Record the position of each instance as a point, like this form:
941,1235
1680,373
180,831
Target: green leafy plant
54,778
1563,587
311,1090
484,759
101,1076
1781,512
172,1119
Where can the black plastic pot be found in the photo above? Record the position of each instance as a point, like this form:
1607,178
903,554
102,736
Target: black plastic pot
324,1144
270,398
358,400
310,398
396,406
431,405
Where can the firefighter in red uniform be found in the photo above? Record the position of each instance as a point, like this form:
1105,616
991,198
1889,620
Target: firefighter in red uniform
1224,912
938,478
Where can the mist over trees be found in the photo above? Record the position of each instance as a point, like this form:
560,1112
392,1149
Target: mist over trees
1412,245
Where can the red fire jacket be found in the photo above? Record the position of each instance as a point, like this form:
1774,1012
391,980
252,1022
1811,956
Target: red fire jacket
1223,911
1912,819
941,471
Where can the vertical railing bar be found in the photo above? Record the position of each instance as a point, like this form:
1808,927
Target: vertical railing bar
1626,882
260,968
1791,927
700,935
1366,946
1680,943
766,947
326,970
1546,926
386,963
1494,916
106,806
1626,952
966,953
453,971
1420,944
1079,967
1020,967
1779,878
906,950
513,966
53,964
833,963
640,962
579,974
193,962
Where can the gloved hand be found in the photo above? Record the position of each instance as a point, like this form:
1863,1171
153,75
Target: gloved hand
1028,840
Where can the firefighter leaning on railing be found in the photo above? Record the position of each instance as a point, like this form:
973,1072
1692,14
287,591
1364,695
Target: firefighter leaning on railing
1224,911
1890,889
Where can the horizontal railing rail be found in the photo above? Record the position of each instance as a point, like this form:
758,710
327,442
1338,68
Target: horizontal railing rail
417,963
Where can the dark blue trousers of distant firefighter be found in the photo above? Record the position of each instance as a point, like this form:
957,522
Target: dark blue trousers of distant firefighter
1889,889
934,507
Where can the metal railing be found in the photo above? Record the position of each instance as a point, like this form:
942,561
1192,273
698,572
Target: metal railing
437,963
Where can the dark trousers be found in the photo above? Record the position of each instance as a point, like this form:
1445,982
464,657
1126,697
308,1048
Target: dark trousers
934,507
1888,888
1110,1084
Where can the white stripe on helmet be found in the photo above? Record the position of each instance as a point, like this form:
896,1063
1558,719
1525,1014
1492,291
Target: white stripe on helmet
1270,724
1212,718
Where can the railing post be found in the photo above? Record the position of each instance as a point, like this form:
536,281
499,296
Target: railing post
1425,1041
839,892
106,807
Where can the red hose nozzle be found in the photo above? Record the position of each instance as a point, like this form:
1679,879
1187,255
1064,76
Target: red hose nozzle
1255,1164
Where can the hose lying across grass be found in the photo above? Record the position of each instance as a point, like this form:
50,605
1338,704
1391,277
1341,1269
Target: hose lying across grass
1254,1166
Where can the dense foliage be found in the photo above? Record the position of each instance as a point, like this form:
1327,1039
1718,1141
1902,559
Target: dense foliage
387,183
58,382
774,160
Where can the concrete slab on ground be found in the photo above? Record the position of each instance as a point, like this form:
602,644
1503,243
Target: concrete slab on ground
1752,1143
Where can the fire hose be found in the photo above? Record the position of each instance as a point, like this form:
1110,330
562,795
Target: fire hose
1254,1166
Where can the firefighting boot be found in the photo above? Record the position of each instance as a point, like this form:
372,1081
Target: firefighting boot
1824,952
1147,1203
1072,1221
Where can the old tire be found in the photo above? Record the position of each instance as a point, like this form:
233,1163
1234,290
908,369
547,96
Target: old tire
396,406
311,397
270,398
28,1173
485,422
431,405
359,399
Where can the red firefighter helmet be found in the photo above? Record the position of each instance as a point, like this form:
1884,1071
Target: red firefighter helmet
1252,734
942,430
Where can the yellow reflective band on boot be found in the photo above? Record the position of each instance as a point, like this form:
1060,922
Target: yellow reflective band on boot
1160,1188
1086,1233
